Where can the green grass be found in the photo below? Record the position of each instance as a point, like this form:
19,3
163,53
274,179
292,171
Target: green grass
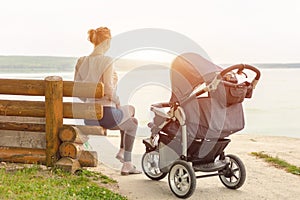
34,183
277,162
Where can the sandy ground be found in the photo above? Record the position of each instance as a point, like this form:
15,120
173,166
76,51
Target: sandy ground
263,181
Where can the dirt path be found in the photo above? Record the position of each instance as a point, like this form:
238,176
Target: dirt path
263,181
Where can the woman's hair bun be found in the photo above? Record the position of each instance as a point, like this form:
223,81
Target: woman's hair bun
96,36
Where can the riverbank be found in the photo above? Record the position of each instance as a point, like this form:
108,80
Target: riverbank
263,180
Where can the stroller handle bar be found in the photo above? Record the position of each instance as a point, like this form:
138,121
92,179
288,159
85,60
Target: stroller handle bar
214,84
240,68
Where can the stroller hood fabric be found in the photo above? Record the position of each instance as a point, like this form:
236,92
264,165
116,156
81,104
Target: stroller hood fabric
187,72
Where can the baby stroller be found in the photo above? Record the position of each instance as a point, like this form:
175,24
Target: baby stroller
190,132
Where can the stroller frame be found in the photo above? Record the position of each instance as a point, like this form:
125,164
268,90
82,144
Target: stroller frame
180,167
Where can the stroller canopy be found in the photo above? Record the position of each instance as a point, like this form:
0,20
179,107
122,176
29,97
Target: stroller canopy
188,71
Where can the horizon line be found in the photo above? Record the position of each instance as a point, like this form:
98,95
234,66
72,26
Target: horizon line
145,60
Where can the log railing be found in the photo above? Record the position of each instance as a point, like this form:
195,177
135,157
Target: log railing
21,120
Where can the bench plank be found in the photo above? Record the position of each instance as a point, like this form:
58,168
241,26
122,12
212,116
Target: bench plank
35,87
22,155
37,109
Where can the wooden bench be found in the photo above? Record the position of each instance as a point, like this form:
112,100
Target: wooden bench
33,131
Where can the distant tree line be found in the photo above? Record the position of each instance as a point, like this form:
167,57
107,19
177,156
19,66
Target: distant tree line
31,64
36,63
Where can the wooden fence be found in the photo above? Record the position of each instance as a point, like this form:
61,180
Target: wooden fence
29,129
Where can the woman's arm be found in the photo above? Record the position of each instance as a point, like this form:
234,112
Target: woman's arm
77,76
109,79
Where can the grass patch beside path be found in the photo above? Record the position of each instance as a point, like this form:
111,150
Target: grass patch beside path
277,162
36,184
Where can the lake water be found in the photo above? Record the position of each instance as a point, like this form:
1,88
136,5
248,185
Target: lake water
273,110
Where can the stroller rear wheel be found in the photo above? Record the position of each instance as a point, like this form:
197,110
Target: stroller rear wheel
150,166
234,175
182,179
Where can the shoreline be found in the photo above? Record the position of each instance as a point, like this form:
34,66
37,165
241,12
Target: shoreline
284,147
263,180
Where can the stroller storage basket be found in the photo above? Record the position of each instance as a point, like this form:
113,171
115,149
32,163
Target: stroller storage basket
206,151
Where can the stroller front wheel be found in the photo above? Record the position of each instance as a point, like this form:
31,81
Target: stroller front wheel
150,166
234,175
182,179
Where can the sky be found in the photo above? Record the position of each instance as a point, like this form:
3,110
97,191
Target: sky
231,31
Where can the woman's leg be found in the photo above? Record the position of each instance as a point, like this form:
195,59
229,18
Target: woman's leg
120,154
129,127
128,112
122,139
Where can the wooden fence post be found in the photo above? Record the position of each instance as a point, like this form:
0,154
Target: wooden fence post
54,117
